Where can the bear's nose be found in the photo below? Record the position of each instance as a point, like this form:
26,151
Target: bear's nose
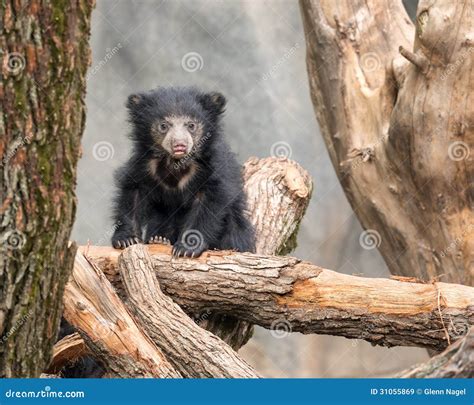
180,147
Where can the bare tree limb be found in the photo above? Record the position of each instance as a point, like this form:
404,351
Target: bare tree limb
457,361
274,291
193,351
92,306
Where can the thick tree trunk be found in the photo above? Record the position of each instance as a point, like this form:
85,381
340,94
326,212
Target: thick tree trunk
285,294
44,57
193,351
112,335
400,132
278,193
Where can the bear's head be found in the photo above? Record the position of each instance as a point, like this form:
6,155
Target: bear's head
175,121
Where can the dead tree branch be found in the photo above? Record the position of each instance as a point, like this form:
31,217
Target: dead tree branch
457,361
272,290
92,306
193,351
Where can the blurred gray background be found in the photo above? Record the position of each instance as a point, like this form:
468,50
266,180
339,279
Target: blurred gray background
254,53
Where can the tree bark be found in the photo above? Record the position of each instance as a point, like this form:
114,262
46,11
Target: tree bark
193,351
44,57
400,128
285,294
457,361
111,334
278,192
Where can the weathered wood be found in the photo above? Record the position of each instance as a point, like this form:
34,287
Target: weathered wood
284,292
457,361
278,192
94,309
44,55
193,351
68,350
400,127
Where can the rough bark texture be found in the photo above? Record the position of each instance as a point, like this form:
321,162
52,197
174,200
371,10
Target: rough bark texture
286,294
193,351
400,130
457,361
44,55
278,191
92,306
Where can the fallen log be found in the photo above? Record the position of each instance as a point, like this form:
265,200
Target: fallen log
111,334
286,293
457,361
193,351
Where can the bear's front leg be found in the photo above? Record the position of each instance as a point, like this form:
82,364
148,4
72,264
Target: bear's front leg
122,240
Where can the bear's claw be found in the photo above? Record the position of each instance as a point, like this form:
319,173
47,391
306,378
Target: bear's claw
159,240
125,243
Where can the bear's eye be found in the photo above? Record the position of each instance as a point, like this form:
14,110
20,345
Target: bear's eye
163,126
191,126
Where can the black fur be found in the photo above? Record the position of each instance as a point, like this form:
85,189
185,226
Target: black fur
208,211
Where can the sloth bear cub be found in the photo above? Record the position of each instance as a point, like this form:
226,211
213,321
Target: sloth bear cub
182,184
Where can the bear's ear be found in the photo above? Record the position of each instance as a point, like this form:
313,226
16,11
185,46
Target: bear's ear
134,101
213,102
